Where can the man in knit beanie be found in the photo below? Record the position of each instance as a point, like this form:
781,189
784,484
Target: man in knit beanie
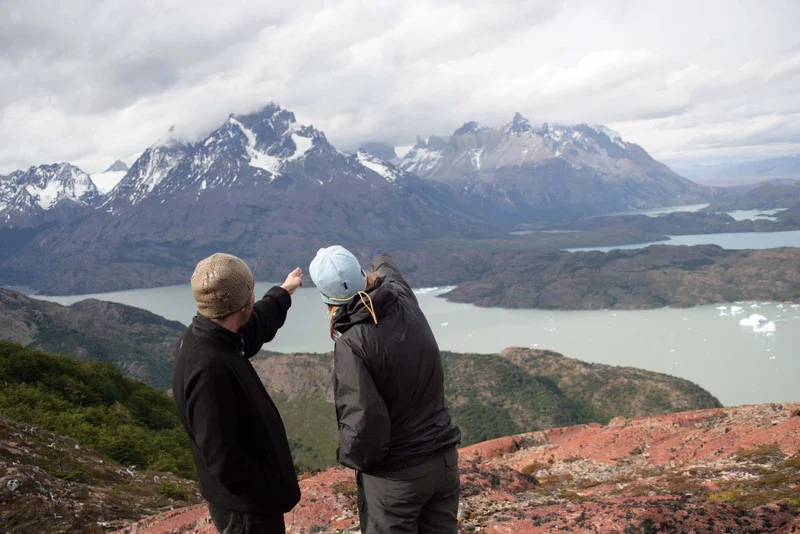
238,441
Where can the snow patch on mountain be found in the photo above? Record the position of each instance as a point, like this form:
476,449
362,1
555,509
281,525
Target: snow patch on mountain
303,145
386,170
258,159
156,170
614,136
148,171
45,196
421,159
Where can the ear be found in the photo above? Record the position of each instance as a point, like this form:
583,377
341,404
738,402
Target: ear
250,305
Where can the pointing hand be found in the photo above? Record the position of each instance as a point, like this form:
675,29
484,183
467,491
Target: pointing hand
293,281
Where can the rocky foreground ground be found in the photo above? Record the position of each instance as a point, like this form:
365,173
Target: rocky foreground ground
722,470
51,484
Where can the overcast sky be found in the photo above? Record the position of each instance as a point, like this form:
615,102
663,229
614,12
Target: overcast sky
698,80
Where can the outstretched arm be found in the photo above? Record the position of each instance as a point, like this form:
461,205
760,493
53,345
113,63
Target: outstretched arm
385,266
269,314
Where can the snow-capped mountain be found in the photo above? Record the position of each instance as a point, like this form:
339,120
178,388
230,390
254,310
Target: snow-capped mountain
271,190
380,167
576,168
264,151
108,179
148,171
27,196
473,149
261,186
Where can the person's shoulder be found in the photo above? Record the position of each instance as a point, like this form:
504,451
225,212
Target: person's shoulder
200,352
364,340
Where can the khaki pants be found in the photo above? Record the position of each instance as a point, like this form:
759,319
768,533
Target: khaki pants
420,499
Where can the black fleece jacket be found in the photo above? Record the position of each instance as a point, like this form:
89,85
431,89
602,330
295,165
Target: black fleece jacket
388,380
237,437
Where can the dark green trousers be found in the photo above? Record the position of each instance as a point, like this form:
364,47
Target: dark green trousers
420,499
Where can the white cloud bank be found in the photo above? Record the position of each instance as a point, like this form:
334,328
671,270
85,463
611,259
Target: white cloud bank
89,81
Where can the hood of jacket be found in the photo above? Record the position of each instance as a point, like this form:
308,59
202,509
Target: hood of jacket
383,296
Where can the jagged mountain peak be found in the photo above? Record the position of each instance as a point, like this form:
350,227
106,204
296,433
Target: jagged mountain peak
474,149
520,124
43,188
525,167
117,166
247,151
379,166
380,150
608,132
468,127
148,171
432,142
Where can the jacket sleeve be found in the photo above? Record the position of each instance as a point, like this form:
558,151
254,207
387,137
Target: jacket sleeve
210,413
364,424
268,316
385,266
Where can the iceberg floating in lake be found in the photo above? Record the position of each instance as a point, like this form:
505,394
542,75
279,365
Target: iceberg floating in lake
736,310
765,328
753,320
433,290
722,307
759,324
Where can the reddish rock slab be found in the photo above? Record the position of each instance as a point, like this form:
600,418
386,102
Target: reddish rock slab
651,515
497,497
192,519
665,440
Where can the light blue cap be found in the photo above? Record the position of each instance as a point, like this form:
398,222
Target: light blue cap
337,274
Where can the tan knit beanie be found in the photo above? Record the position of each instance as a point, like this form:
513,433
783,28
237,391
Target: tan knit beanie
221,285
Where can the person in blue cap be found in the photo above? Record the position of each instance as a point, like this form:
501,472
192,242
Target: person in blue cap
394,427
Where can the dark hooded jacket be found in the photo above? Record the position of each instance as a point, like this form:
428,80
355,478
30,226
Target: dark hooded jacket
388,379
236,434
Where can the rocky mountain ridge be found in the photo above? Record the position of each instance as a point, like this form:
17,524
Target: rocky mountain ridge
549,172
722,470
27,198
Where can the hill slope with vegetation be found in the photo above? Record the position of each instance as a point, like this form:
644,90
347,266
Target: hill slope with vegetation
490,395
140,343
94,404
